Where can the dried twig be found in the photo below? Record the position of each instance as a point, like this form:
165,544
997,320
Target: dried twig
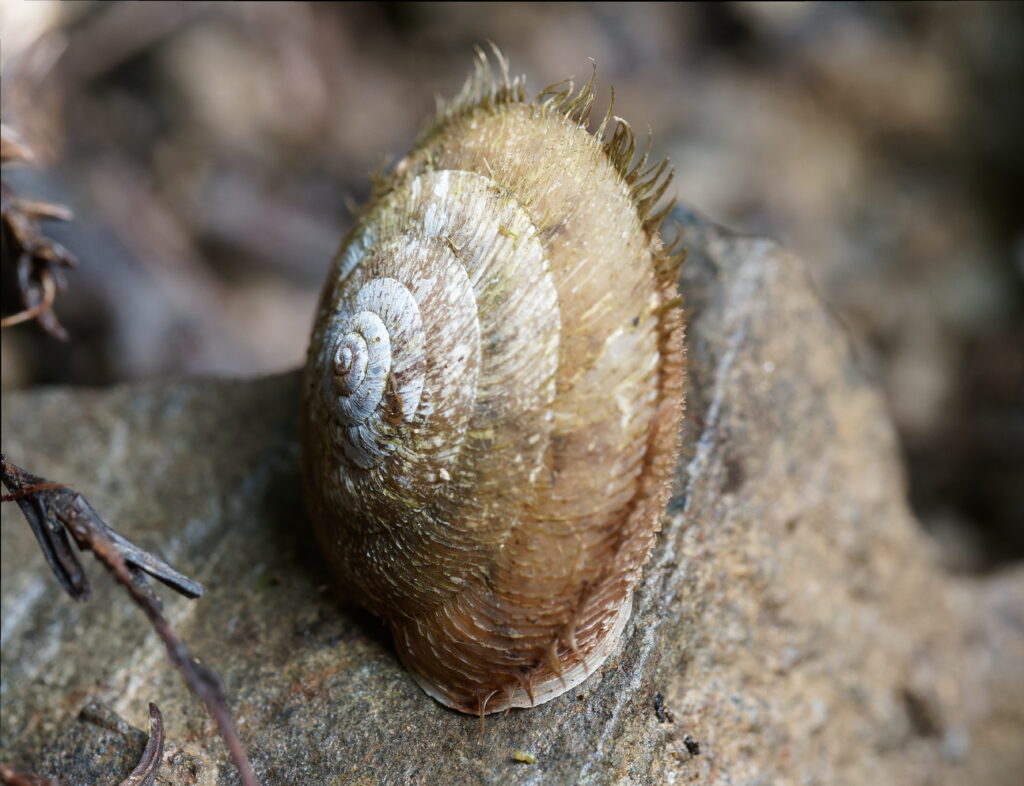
38,260
144,774
52,510
52,507
146,770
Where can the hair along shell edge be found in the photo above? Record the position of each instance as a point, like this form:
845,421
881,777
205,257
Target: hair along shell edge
490,86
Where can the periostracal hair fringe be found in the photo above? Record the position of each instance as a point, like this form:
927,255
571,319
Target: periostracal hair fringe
490,86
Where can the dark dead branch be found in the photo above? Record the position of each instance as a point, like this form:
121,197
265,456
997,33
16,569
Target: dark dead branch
53,511
38,261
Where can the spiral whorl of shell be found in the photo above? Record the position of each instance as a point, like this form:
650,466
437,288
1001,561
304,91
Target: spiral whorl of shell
493,395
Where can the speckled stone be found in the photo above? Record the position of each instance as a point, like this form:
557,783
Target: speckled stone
791,619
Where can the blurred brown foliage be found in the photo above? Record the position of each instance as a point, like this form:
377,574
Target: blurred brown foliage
209,152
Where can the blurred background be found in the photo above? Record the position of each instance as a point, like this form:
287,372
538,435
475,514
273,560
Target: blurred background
211,154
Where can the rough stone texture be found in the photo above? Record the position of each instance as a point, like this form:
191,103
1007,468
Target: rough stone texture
790,618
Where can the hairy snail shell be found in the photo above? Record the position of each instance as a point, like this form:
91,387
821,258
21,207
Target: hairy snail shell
493,395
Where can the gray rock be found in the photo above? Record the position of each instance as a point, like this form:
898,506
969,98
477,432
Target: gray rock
791,624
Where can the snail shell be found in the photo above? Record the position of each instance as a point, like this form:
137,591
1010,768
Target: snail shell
493,395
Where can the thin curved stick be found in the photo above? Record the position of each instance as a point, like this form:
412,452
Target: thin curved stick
146,770
49,295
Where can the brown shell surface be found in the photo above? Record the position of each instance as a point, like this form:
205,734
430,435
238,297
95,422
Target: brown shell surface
495,490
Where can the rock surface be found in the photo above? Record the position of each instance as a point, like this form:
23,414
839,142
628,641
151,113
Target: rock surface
791,620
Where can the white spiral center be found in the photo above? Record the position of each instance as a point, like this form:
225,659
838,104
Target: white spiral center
373,371
350,359
362,363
